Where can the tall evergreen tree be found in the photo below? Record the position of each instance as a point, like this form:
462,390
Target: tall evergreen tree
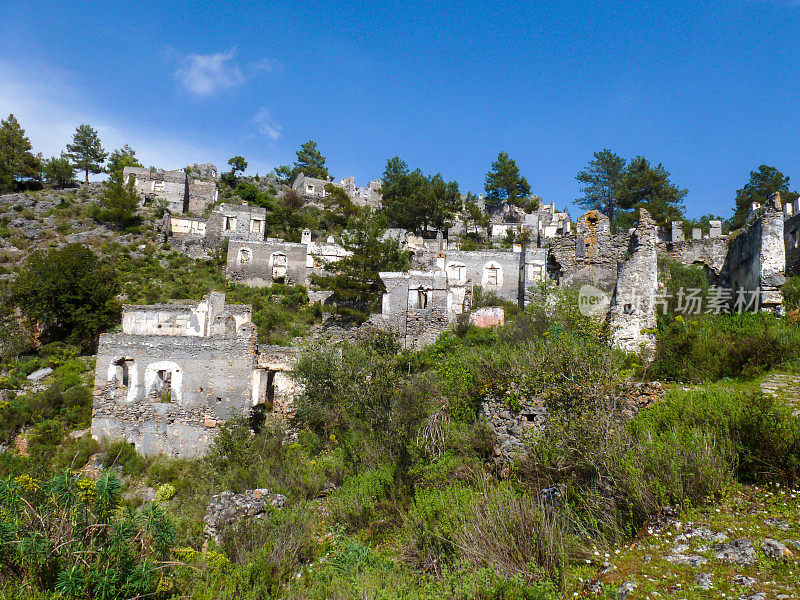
121,158
413,201
86,152
18,165
602,177
763,183
355,280
505,184
648,187
118,203
310,162
238,164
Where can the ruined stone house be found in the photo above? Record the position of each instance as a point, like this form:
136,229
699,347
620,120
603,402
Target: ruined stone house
184,191
313,190
420,304
174,373
791,233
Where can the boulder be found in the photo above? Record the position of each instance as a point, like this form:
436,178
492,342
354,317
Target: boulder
40,374
738,552
775,550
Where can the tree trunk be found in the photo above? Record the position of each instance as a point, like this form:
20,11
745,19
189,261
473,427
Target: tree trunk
87,175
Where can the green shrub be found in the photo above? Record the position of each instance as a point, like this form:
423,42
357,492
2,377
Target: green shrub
429,526
762,430
66,535
617,477
123,454
791,293
710,347
355,503
165,492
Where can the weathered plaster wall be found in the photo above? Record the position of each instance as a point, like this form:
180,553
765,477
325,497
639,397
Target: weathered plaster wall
589,257
495,271
757,256
633,304
260,264
710,252
210,379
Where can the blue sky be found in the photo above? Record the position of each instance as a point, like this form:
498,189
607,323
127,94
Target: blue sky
709,89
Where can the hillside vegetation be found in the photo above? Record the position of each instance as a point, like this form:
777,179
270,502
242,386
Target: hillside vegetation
395,485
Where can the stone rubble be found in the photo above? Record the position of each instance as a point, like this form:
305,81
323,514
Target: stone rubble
226,509
739,552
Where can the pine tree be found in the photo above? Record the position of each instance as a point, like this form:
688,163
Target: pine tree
86,152
310,162
118,203
505,184
763,183
238,164
121,158
602,177
355,279
18,165
413,201
648,187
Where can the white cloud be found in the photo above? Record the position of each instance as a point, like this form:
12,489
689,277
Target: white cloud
265,125
207,74
265,65
49,108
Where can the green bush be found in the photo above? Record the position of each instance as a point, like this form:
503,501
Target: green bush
123,454
710,347
355,503
791,293
66,535
429,526
762,430
617,477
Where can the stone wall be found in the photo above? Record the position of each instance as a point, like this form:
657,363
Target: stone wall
237,222
313,190
261,264
415,306
757,256
202,194
589,256
182,192
274,386
495,271
175,373
709,252
209,379
158,184
633,305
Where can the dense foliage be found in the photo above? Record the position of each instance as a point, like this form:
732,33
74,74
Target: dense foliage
505,185
759,188
70,535
69,293
18,165
619,190
118,204
415,201
355,282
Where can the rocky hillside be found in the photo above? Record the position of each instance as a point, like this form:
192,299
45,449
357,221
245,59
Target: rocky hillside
53,218
744,546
